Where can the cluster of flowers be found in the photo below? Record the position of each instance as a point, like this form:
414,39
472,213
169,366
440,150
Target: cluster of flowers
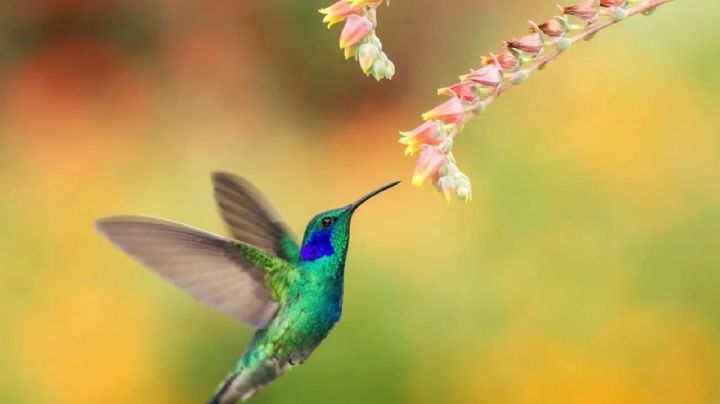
520,57
358,39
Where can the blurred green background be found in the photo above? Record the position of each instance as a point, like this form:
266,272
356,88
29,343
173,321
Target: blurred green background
586,269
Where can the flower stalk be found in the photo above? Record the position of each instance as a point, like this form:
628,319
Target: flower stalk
520,58
358,39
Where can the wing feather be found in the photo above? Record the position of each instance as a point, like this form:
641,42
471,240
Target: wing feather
250,218
207,266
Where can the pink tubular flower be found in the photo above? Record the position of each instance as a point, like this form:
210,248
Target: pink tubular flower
356,28
553,28
451,111
488,76
506,60
464,90
338,12
531,43
431,160
586,11
426,134
358,38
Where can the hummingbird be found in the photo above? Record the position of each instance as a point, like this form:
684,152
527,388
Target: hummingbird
291,294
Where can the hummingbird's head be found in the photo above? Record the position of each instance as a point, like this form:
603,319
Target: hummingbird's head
328,233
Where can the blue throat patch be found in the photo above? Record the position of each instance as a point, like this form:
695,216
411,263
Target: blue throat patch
318,246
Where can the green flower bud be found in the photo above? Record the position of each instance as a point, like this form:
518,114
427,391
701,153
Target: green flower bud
378,69
619,14
367,55
389,70
464,192
520,77
563,44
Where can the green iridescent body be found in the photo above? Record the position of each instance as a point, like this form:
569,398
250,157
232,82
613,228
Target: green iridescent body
309,294
291,294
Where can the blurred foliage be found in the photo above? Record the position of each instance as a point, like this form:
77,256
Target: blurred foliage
586,270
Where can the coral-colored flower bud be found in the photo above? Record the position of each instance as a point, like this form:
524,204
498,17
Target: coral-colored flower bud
553,28
360,18
488,76
338,12
532,44
367,56
428,133
431,160
451,111
464,90
506,60
356,28
586,11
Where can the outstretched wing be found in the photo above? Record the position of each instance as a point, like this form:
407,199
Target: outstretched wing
250,217
211,268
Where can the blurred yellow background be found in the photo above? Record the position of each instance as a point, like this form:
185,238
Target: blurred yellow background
586,269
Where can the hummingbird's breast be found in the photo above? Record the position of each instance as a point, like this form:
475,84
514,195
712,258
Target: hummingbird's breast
319,307
310,313
307,313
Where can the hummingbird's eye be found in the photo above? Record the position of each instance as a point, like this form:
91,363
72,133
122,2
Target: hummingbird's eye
326,222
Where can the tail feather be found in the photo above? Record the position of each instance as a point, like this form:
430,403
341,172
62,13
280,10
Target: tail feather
221,391
234,388
246,382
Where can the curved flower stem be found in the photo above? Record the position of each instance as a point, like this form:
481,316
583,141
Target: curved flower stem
521,57
589,32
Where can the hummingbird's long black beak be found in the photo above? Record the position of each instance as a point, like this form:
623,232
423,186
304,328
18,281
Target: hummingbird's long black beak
364,199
